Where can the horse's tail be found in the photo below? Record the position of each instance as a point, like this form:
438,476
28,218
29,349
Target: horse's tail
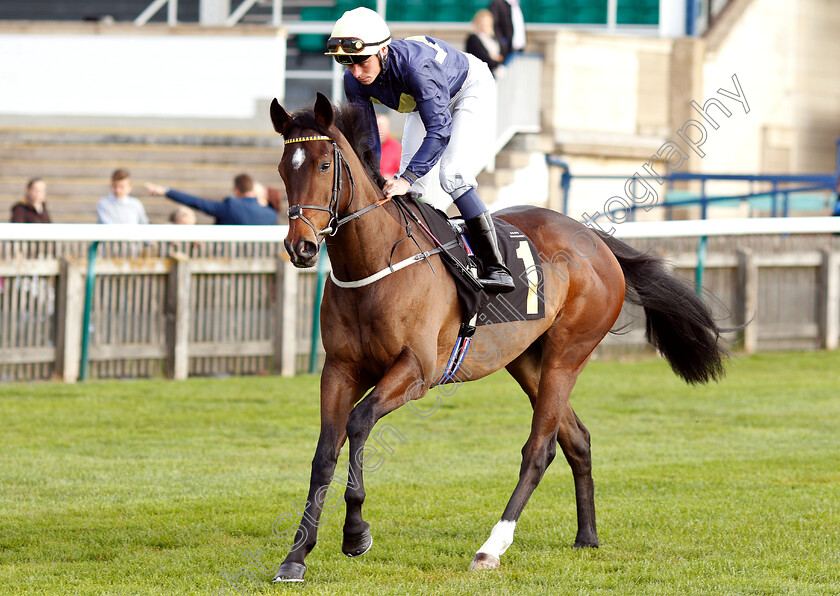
679,324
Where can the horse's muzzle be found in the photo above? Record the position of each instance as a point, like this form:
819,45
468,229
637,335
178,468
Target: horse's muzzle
304,253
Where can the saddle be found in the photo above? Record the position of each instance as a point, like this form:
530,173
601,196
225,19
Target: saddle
521,257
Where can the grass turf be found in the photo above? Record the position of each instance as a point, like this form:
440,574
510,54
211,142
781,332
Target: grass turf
157,487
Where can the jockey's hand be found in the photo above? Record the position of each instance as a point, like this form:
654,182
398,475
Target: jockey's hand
396,187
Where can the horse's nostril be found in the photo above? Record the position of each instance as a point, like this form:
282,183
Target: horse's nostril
306,249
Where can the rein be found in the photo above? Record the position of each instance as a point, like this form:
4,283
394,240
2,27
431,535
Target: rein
336,221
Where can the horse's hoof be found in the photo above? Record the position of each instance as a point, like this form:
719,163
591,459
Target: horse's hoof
483,561
585,544
358,544
290,572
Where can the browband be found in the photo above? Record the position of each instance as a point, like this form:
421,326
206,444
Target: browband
301,139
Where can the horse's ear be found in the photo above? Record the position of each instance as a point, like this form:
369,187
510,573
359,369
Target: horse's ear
324,110
279,116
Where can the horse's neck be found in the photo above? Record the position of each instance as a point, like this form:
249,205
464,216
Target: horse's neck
363,246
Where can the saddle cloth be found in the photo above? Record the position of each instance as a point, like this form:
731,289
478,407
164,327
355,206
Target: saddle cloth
520,255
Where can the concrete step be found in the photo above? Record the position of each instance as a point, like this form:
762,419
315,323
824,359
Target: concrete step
139,136
99,187
500,177
512,159
168,174
531,143
118,153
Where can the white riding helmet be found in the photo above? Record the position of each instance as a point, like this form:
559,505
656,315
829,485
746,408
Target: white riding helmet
359,32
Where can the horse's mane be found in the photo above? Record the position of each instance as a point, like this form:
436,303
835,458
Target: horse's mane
351,123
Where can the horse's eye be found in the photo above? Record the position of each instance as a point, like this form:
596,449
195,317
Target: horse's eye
325,166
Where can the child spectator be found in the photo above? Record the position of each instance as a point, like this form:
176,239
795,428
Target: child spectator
120,207
182,216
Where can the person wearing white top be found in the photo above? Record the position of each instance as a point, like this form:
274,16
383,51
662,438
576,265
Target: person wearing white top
120,207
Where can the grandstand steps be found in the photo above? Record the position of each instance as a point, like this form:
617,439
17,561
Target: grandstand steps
140,153
498,177
166,173
77,166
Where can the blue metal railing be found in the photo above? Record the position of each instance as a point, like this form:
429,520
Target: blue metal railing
782,186
779,193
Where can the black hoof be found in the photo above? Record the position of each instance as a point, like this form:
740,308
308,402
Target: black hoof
586,544
355,545
290,572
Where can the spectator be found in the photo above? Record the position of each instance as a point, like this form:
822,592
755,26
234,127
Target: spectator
32,209
120,207
268,196
243,208
182,216
389,163
482,42
509,25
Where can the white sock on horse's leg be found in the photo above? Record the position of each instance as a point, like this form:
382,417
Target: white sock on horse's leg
501,537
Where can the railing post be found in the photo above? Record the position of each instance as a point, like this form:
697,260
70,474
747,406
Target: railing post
830,300
285,332
316,311
700,271
747,298
71,294
90,281
178,318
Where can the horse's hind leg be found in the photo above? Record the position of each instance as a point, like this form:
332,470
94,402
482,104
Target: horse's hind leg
574,441
553,419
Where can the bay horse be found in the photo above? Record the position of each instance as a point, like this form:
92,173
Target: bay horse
386,341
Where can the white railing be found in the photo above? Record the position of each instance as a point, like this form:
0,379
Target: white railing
519,98
172,233
141,233
726,227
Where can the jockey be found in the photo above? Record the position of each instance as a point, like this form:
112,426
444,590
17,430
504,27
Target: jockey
450,98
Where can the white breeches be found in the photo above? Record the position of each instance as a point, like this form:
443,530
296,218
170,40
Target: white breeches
470,147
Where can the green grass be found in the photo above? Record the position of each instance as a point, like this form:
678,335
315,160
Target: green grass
156,487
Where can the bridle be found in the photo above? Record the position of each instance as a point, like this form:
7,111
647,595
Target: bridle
336,221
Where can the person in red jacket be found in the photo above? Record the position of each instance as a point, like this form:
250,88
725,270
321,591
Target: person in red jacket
32,209
389,163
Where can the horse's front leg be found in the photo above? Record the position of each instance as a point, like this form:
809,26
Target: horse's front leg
338,394
402,382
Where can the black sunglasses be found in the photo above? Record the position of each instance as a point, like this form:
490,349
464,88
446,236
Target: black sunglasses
346,60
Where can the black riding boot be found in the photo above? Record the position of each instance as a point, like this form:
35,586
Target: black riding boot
496,277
